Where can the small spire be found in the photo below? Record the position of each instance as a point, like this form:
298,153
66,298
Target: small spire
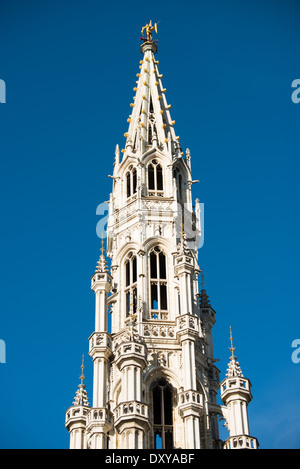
81,397
204,298
117,155
232,349
188,157
234,368
102,243
202,276
81,377
101,264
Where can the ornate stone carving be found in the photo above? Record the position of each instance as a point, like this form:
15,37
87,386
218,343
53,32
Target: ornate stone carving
153,330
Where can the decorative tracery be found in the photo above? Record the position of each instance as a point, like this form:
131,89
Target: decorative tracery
162,401
158,284
131,284
155,179
131,181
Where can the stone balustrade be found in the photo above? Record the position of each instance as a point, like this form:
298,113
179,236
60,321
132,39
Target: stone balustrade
76,413
189,323
186,397
241,442
123,214
161,330
131,408
99,418
190,402
99,414
236,382
129,349
99,339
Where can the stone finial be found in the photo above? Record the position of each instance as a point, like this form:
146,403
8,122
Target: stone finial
102,264
234,368
81,397
204,298
188,158
117,156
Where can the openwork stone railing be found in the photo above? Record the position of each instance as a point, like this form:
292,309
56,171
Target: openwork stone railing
99,414
149,206
190,401
130,409
124,213
188,323
129,349
99,417
159,330
99,339
241,442
236,383
76,413
187,397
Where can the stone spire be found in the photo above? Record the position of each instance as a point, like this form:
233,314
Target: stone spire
150,122
204,299
81,397
236,395
117,157
102,264
234,368
155,380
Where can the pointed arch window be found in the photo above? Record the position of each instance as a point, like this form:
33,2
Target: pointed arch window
155,178
131,181
131,284
162,401
158,284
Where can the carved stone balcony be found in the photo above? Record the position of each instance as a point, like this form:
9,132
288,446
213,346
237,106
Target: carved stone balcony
131,353
190,402
124,214
100,418
100,344
241,442
236,385
159,330
188,325
76,415
131,411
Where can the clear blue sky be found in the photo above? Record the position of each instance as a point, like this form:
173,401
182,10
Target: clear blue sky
69,68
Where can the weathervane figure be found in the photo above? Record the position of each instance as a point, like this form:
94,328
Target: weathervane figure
149,28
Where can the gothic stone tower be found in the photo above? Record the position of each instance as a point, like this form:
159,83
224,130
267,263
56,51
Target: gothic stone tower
155,378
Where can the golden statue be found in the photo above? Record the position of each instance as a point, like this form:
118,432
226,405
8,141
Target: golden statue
149,28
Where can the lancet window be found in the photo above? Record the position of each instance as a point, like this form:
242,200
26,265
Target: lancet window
162,400
155,178
131,284
131,181
158,284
